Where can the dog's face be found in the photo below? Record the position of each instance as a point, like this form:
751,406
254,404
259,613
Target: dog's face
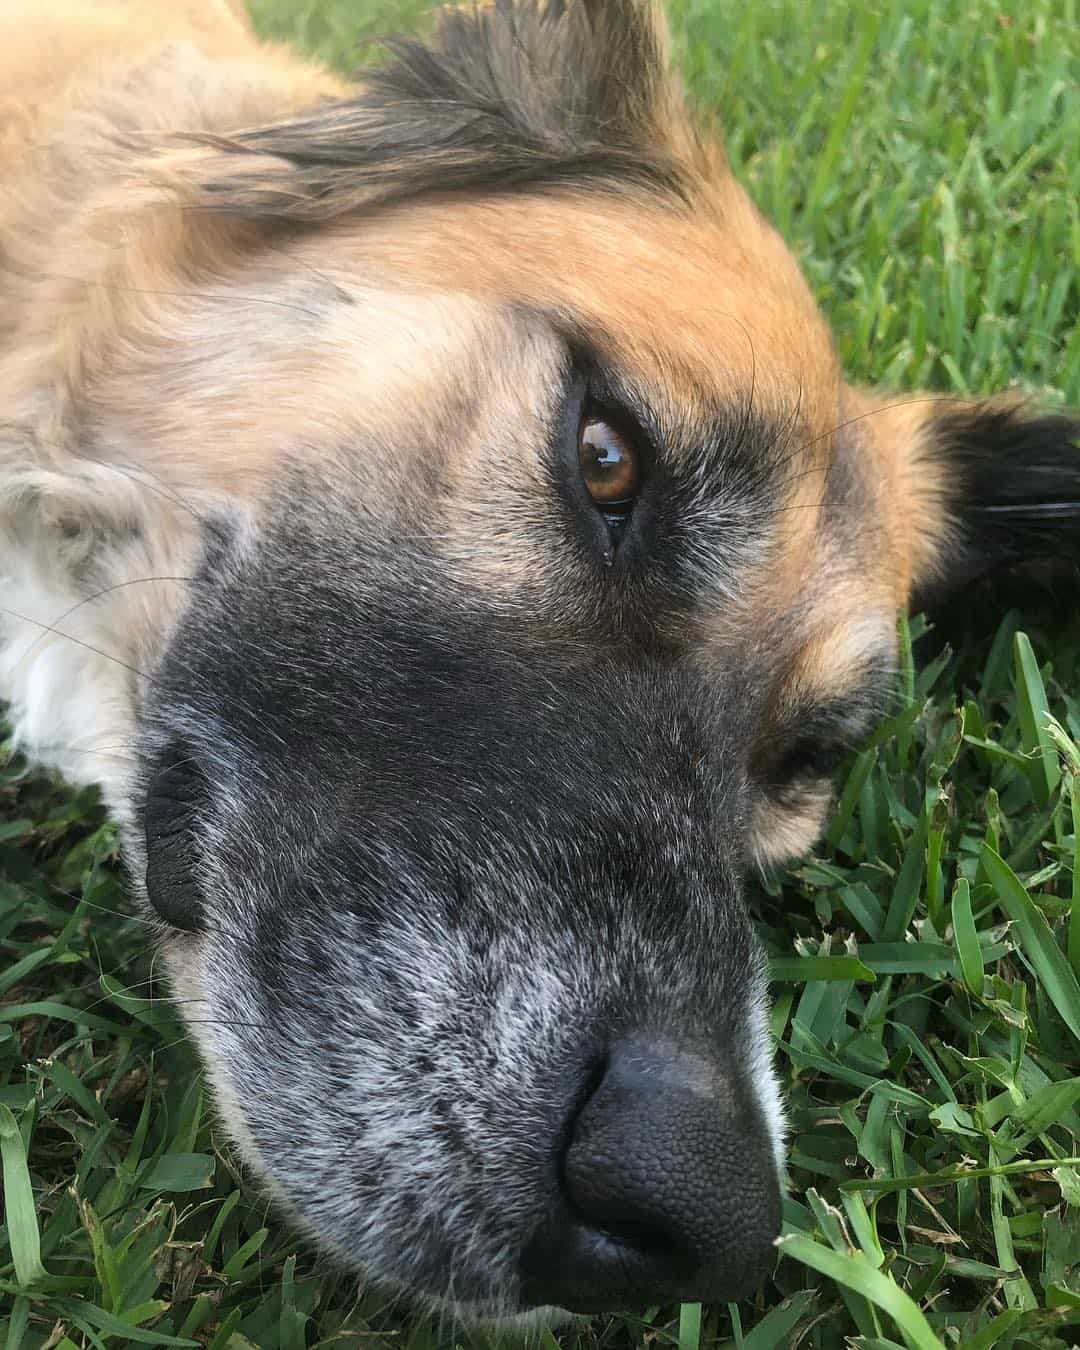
455,764
544,563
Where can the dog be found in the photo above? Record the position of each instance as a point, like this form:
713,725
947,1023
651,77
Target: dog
432,510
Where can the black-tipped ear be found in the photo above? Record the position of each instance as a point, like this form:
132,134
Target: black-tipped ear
176,793
1012,486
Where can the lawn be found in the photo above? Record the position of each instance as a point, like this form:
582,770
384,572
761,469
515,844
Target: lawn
920,156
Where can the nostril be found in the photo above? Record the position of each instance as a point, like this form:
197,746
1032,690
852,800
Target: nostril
668,1188
595,1072
591,1079
643,1237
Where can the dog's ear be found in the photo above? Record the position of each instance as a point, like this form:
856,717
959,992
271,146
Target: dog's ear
981,490
1012,480
499,97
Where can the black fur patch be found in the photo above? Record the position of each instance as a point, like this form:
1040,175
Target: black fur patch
507,97
1016,499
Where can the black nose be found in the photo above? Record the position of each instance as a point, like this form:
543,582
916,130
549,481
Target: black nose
669,1189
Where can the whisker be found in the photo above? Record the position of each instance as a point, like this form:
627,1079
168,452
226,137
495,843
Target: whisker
98,595
954,400
145,478
786,429
51,628
105,751
339,290
230,1022
748,409
181,295
214,931
141,476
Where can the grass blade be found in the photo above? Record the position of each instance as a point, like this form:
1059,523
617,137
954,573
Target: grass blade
966,937
690,1326
20,1213
1039,945
855,1272
804,969
1033,711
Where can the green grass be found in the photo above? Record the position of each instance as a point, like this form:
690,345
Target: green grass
917,155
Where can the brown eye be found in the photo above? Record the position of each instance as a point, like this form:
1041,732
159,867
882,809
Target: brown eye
609,465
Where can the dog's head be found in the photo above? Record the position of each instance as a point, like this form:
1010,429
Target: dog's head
543,563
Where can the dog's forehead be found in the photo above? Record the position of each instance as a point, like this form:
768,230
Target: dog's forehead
705,304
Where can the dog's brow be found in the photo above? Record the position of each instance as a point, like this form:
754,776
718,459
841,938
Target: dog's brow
723,441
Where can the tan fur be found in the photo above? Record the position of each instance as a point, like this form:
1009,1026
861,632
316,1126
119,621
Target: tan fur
910,483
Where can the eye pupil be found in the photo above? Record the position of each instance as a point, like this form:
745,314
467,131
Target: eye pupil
609,465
